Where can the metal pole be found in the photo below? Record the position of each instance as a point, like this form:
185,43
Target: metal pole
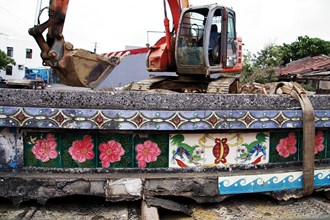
38,9
165,11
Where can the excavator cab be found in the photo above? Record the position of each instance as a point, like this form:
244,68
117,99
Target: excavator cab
206,41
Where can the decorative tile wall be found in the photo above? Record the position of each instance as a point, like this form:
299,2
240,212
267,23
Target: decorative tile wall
115,150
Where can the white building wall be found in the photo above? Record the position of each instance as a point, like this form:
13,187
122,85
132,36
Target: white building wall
19,55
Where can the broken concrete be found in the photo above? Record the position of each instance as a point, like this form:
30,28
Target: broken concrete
41,187
148,212
200,189
150,101
168,204
123,189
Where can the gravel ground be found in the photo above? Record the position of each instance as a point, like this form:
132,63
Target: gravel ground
263,207
239,207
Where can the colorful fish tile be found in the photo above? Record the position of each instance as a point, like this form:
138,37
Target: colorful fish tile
197,150
186,151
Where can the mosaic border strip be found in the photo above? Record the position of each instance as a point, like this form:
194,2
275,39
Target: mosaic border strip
31,117
270,182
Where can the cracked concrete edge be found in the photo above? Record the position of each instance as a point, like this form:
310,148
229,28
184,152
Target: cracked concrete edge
201,190
168,204
20,189
150,101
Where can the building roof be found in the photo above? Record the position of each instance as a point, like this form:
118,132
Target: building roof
309,66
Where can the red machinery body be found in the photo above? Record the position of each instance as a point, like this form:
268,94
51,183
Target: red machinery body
185,49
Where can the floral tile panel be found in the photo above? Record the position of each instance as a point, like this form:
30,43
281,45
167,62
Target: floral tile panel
84,150
288,146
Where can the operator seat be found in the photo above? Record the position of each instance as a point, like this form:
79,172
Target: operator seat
214,46
214,35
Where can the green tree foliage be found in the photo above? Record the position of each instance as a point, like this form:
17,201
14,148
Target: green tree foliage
249,66
303,47
269,56
261,67
5,60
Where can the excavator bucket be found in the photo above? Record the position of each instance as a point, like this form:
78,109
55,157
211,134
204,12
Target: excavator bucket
83,68
74,67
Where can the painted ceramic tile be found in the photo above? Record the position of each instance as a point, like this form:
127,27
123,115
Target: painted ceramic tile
79,150
191,150
10,150
269,182
327,144
319,148
259,183
288,146
151,150
322,177
42,150
188,150
253,148
115,151
284,146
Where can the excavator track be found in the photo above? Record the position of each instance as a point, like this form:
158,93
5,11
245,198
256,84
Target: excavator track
146,85
222,85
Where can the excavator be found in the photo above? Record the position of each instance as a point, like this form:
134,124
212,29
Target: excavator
201,46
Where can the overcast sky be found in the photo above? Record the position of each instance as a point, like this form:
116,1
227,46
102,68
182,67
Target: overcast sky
114,24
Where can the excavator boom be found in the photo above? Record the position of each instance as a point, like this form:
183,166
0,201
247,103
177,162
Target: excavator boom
74,67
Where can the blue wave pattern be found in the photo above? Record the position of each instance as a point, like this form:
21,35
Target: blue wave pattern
321,179
262,183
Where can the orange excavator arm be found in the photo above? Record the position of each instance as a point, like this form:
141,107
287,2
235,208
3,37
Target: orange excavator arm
74,67
176,7
57,13
161,55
